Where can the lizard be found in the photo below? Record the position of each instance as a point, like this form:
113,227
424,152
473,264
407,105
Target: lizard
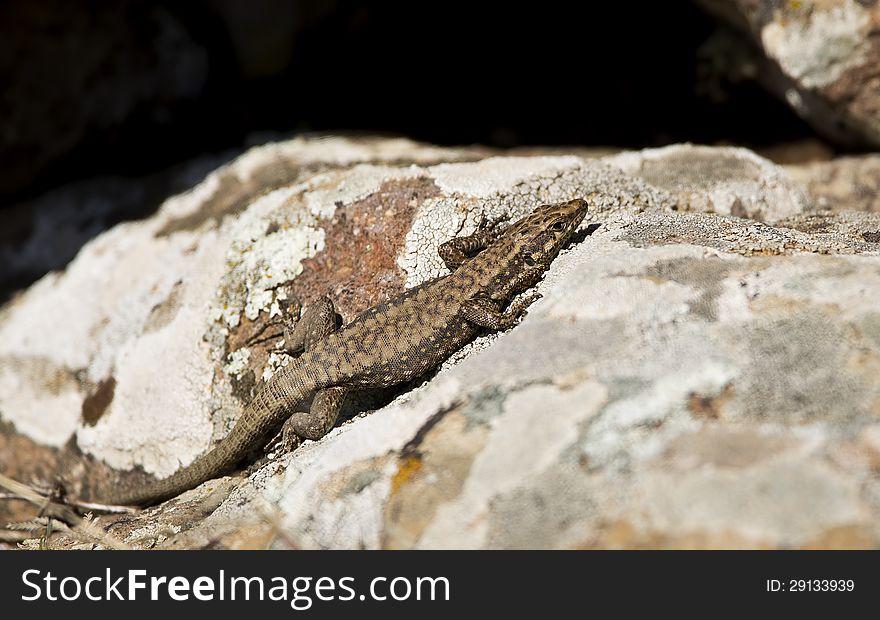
389,344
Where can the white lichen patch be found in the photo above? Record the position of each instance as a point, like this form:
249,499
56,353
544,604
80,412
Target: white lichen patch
87,321
275,361
817,48
268,244
237,363
439,220
326,191
159,418
275,259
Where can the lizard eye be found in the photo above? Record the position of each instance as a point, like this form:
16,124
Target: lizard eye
557,226
529,261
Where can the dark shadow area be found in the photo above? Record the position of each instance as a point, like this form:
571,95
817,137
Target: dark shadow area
581,235
160,82
128,89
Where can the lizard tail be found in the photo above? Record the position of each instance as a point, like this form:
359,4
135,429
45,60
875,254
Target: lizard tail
269,408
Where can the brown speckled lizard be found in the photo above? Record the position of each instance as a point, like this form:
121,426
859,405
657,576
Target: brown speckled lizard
389,344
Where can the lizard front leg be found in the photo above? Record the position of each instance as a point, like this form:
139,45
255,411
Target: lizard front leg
485,312
318,321
458,249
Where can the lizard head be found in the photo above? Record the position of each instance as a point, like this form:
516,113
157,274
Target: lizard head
529,245
541,234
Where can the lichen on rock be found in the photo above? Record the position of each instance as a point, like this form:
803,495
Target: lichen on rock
703,369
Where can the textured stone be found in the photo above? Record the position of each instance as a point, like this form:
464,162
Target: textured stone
703,370
842,184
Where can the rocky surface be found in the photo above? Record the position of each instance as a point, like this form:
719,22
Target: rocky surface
821,56
842,184
702,371
45,233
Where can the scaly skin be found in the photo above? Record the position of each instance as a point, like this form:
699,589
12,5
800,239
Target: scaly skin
391,343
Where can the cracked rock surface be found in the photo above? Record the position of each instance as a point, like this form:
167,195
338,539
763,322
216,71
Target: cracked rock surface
703,370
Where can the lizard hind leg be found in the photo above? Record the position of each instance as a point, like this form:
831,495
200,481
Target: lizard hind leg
318,321
315,423
485,313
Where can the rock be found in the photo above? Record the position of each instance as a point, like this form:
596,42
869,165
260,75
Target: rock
46,232
732,181
702,370
842,184
823,58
